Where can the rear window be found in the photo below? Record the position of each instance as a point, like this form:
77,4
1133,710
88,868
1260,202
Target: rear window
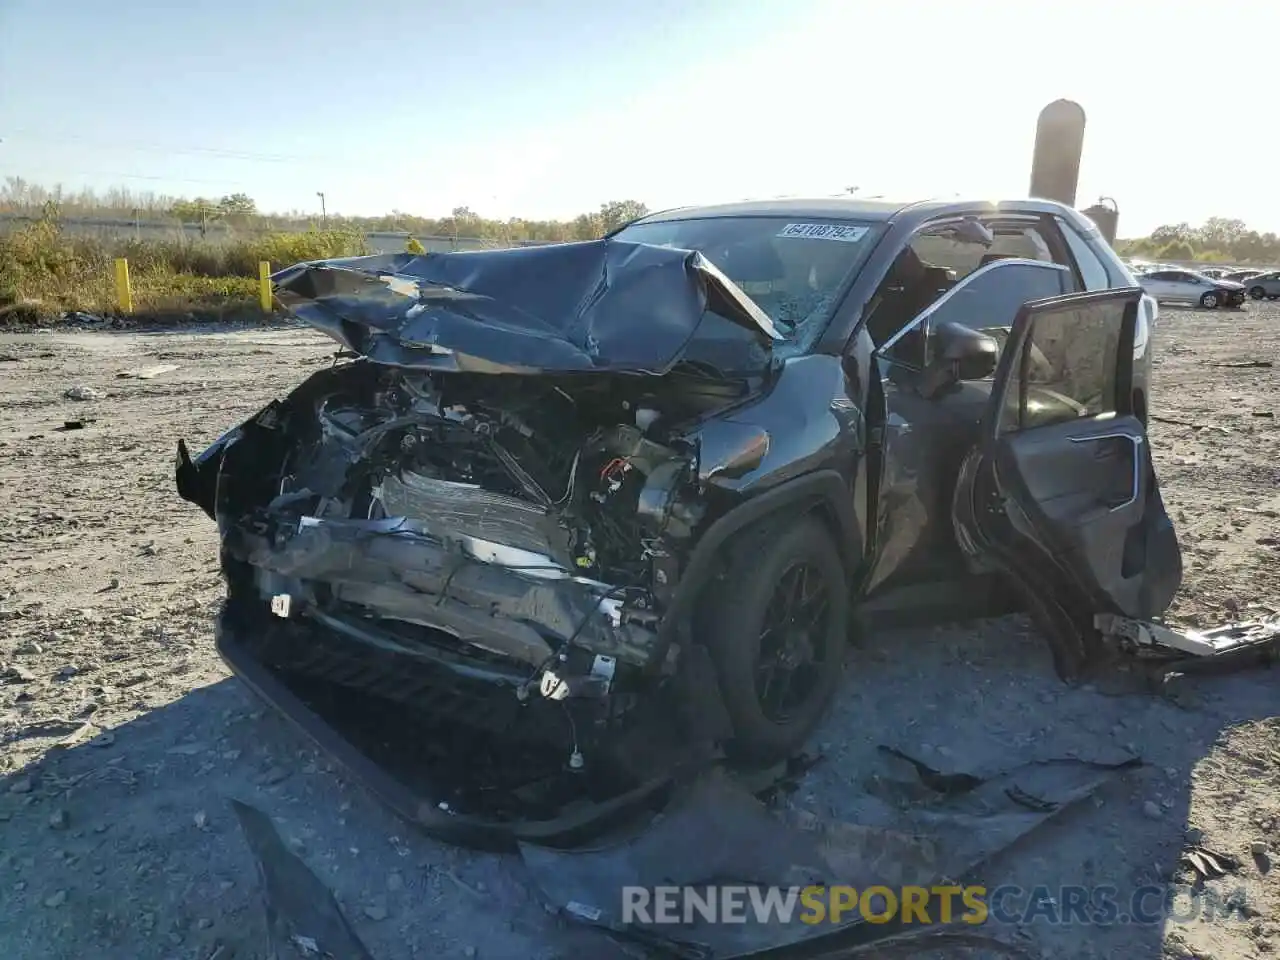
793,267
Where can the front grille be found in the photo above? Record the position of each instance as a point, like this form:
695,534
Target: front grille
301,649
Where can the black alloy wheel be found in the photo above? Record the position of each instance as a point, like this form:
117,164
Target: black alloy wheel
776,626
791,652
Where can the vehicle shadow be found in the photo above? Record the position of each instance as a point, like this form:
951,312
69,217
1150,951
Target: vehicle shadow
982,698
122,845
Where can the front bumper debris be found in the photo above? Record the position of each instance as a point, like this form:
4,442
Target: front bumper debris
712,834
416,799
1169,650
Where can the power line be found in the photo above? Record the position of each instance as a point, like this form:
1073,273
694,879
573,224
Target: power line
139,176
221,153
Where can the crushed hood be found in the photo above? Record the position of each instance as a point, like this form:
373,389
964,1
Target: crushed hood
568,307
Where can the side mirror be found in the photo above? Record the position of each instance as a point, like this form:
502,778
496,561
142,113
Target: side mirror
959,353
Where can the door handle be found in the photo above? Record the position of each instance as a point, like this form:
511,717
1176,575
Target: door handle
1136,440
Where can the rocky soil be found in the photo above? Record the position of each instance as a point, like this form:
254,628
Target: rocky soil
122,736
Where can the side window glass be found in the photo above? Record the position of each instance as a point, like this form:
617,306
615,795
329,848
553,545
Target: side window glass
1118,273
987,301
1067,368
1092,269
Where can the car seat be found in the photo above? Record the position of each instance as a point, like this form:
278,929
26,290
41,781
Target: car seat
909,287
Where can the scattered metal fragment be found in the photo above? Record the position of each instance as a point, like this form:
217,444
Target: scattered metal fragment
715,832
301,911
1260,638
146,373
1207,864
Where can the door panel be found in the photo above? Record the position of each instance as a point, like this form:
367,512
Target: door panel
1069,479
925,437
1083,502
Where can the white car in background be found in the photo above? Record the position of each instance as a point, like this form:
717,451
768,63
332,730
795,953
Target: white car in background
1188,286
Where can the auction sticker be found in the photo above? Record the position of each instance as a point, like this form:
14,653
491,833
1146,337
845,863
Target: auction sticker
824,231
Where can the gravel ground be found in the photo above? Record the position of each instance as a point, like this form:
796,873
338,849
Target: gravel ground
123,734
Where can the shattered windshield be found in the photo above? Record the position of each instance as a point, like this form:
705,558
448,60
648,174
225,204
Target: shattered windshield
793,267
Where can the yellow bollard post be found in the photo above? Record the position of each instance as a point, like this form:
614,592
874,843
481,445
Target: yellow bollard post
124,291
264,285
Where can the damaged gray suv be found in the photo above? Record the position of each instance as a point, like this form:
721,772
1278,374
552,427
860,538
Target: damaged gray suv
563,521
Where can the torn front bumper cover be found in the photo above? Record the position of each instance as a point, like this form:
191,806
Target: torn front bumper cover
417,800
518,609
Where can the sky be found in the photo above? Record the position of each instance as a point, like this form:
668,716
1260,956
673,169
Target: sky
548,108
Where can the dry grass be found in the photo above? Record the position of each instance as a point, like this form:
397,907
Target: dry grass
45,273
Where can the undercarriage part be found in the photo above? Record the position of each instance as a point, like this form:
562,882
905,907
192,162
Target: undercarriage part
1142,635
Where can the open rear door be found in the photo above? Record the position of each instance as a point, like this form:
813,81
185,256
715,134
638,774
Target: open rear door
1060,493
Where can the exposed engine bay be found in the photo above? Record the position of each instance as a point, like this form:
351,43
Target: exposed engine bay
485,557
513,473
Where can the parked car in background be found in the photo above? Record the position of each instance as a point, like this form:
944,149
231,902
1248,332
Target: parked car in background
1216,273
1240,276
1264,285
1189,286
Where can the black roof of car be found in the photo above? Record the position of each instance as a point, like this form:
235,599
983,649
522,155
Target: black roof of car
850,208
844,208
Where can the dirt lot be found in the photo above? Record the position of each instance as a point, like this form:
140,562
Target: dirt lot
123,735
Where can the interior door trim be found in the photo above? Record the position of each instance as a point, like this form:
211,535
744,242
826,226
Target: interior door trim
1137,441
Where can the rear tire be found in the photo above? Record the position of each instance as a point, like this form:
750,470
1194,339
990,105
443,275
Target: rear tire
1258,293
776,627
1209,301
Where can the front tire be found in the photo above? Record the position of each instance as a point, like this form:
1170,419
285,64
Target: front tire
776,629
1258,293
1209,301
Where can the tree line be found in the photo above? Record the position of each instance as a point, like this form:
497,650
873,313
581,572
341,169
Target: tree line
1217,240
240,212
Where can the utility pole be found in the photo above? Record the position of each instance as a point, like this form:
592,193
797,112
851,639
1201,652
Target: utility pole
324,217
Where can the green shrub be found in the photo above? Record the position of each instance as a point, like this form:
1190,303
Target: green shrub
64,272
286,249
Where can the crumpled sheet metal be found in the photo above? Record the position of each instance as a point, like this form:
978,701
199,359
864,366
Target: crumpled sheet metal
571,307
303,919
715,832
